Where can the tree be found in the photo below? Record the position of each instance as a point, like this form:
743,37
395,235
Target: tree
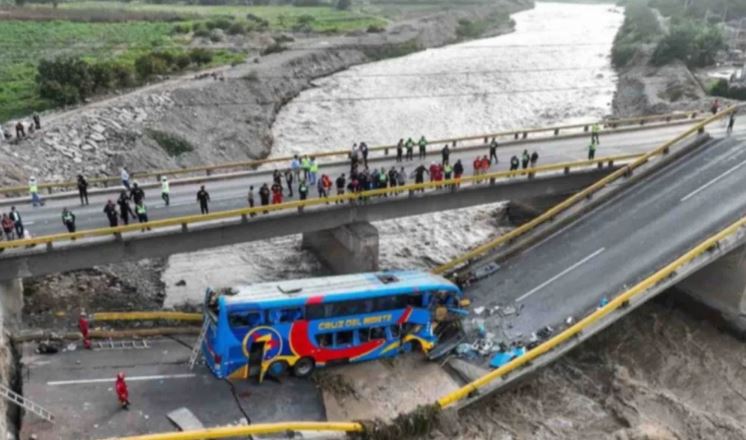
65,80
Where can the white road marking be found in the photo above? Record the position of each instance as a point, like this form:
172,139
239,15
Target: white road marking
712,182
559,275
113,379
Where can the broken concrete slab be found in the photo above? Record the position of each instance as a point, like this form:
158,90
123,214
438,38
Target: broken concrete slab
466,371
184,419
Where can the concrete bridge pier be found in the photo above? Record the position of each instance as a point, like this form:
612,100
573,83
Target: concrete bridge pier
347,249
721,286
11,302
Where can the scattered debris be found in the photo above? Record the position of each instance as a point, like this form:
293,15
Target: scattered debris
184,419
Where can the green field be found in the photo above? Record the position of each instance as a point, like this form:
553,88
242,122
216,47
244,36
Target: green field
110,31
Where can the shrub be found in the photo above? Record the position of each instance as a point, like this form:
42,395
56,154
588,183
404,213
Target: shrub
124,75
65,80
202,33
344,4
200,56
149,65
236,29
173,145
218,23
373,29
273,48
102,75
182,61
181,29
691,42
216,35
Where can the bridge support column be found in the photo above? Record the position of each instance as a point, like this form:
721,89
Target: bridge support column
11,302
721,286
347,249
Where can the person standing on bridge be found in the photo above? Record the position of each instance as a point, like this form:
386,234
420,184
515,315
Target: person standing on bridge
423,147
534,158
458,171
313,171
340,183
142,215
399,150
33,189
289,182
17,222
731,122
84,328
264,195
410,149
82,190
251,199
446,153
592,151
110,209
419,175
137,194
514,163
364,153
7,225
595,130
125,212
125,176
165,190
302,190
295,167
493,151
123,394
203,197
526,158
305,165
68,219
715,106
276,193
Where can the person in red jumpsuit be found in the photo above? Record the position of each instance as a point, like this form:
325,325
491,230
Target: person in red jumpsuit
84,328
122,391
276,194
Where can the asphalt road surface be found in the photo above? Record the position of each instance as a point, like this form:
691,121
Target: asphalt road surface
232,193
622,242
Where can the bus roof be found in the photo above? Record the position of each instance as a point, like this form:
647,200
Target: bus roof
340,285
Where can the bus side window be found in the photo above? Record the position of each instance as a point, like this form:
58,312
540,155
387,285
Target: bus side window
344,339
395,331
414,299
244,319
377,333
324,340
290,315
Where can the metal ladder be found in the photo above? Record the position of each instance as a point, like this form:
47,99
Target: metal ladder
122,345
26,404
197,349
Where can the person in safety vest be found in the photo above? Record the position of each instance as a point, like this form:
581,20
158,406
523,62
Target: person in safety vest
142,214
68,219
313,171
595,130
123,394
33,189
165,190
423,147
305,165
526,159
410,148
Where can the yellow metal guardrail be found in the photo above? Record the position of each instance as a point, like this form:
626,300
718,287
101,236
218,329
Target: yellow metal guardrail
619,301
244,213
146,316
576,198
256,429
467,390
208,169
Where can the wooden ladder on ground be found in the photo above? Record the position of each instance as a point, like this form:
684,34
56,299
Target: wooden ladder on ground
197,349
25,403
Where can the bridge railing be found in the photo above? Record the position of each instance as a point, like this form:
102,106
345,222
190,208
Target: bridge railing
577,198
472,388
384,150
245,214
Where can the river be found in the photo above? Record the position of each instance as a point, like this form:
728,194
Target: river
553,69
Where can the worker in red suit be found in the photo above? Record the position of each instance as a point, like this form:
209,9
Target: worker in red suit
122,392
84,328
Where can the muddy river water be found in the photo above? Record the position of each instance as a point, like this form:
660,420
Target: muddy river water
553,69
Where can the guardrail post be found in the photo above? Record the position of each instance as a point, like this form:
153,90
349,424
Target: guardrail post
611,163
49,190
694,115
556,131
525,134
515,136
668,119
244,219
701,130
585,128
530,176
49,245
118,236
385,151
208,172
300,209
184,227
492,180
105,183
665,150
600,165
567,170
642,122
158,178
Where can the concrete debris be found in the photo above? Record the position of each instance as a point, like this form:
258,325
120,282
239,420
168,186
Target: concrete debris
509,311
184,419
468,372
479,310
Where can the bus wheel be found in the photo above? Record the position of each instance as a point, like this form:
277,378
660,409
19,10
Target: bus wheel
278,369
304,367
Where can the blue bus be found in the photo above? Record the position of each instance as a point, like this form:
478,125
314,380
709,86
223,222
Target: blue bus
295,326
